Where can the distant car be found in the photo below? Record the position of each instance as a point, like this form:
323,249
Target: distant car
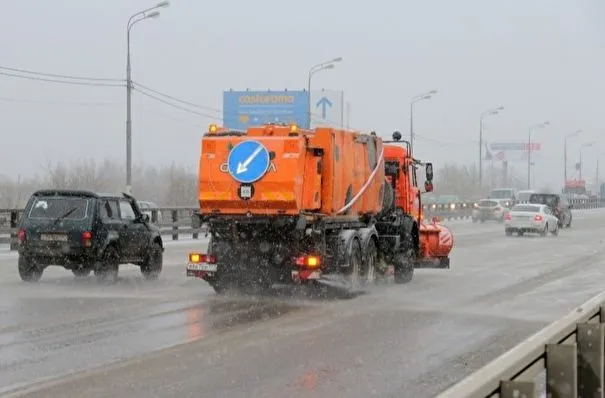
489,209
504,193
147,207
531,218
85,231
448,205
558,204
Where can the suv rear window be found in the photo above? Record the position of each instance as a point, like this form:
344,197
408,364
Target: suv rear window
487,203
54,207
545,199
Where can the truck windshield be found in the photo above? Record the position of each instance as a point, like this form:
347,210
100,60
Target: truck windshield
54,207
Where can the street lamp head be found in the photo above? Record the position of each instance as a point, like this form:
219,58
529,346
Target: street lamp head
153,14
546,123
336,60
432,92
162,4
330,66
500,108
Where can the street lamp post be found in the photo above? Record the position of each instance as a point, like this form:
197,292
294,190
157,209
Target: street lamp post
535,126
586,145
575,133
598,183
314,69
415,99
134,19
488,112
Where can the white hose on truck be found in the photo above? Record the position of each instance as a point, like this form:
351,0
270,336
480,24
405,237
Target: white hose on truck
365,186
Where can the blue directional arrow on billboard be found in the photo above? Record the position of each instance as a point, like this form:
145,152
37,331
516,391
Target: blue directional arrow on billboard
248,161
323,103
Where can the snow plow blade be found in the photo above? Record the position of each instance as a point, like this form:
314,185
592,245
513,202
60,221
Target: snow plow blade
436,242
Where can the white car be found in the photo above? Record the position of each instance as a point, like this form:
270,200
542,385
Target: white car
534,218
147,207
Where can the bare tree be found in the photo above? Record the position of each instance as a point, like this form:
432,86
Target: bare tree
166,186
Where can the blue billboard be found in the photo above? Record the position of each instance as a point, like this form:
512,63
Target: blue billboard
243,109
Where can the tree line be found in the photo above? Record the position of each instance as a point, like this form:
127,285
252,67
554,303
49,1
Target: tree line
171,185
175,185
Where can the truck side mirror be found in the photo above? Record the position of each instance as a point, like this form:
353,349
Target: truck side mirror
428,186
429,172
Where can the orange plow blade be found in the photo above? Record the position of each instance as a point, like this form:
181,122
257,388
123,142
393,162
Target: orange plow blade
436,243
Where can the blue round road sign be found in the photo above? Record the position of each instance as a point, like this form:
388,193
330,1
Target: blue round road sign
248,161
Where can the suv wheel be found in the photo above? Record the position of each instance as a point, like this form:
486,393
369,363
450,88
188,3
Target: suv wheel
152,267
81,272
108,270
28,271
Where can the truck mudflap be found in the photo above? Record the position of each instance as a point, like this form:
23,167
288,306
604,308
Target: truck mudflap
436,243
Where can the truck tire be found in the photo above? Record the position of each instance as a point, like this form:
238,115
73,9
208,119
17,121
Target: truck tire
404,268
370,260
353,279
110,263
28,271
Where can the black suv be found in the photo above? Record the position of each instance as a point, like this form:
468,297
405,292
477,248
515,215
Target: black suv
558,203
85,231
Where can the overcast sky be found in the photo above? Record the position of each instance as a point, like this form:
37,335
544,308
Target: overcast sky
540,59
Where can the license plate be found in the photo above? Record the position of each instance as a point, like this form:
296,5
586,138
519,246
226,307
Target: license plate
53,237
202,267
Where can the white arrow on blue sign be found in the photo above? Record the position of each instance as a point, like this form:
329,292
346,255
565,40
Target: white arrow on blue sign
248,161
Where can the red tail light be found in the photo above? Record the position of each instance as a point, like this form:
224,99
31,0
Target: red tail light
87,239
202,258
308,261
538,217
21,235
507,216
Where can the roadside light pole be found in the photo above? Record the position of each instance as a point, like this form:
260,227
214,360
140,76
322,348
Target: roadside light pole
586,145
535,126
314,69
574,134
134,19
598,182
415,99
489,112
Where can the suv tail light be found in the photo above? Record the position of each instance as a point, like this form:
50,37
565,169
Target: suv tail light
196,258
21,236
87,239
538,217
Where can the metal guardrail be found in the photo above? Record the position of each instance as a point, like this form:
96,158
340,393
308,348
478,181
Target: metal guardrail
464,210
568,355
182,221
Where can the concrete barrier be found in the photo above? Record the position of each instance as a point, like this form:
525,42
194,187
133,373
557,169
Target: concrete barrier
568,355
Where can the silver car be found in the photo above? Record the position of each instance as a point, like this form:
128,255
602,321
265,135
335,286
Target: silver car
532,218
147,207
490,209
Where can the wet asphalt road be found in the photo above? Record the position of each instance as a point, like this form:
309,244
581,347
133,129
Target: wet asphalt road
174,337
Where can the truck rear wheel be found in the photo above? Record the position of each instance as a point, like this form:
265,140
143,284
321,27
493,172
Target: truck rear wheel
369,264
404,268
353,279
